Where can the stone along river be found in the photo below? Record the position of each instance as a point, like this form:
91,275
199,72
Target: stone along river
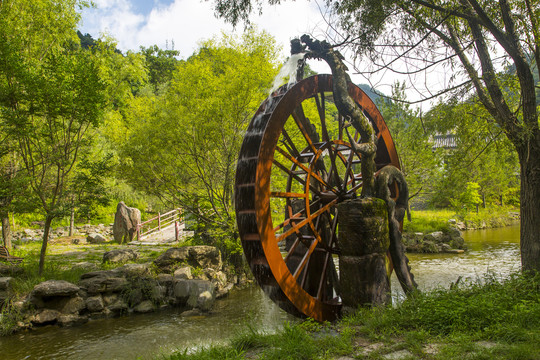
146,336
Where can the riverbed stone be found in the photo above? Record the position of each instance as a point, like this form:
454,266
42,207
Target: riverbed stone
182,290
118,306
45,317
73,305
134,270
120,255
52,288
144,307
205,301
201,256
94,303
198,287
183,273
66,320
103,282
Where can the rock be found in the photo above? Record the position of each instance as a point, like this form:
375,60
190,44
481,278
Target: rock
126,221
96,238
134,270
103,281
183,273
85,265
436,237
45,317
198,287
73,305
205,301
144,307
202,256
118,306
452,221
71,320
94,303
51,288
120,255
182,290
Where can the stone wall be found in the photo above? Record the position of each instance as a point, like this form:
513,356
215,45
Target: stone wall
190,277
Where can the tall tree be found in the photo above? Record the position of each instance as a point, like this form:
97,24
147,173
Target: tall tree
51,96
183,145
472,38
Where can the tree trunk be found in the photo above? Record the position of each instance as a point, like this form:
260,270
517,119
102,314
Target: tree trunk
6,231
46,230
72,222
529,159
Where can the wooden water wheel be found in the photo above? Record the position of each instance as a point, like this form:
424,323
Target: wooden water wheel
295,165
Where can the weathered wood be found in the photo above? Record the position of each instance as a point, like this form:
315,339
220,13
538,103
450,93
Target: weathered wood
363,242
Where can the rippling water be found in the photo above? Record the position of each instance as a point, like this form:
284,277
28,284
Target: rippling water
145,336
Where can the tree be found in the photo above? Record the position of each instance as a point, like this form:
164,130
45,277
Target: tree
182,146
161,64
51,96
471,38
419,161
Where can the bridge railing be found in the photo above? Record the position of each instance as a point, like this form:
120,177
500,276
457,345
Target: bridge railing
159,222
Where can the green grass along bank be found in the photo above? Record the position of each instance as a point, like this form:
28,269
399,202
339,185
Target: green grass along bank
486,319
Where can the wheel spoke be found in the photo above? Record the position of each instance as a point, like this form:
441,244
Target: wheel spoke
321,107
306,169
305,259
301,122
289,144
295,176
281,194
299,225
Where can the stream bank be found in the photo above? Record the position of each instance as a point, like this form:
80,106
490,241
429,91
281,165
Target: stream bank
146,336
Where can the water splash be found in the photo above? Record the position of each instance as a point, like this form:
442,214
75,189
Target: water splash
287,71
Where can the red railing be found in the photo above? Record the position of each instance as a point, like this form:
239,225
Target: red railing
160,222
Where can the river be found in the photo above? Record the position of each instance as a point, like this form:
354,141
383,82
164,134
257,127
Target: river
146,336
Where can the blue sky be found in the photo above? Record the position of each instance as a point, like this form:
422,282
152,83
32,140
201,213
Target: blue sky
186,22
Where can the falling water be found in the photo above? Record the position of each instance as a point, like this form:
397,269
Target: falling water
287,71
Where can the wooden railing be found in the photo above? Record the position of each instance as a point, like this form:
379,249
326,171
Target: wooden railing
160,222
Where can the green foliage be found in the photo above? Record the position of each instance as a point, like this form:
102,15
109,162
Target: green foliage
186,140
487,309
468,199
419,162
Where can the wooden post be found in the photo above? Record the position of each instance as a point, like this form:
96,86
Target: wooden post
363,242
159,221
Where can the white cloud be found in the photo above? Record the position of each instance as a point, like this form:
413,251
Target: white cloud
187,22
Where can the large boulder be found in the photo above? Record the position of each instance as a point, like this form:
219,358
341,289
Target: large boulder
54,288
126,221
120,256
200,257
102,281
96,238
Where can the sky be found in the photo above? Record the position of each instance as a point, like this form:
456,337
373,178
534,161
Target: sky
184,23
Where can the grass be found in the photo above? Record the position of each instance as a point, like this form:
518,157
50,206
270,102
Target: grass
427,221
486,319
61,260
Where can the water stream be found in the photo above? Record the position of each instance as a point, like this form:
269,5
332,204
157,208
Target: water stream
146,336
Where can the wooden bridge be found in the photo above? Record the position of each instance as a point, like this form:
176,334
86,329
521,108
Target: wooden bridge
163,228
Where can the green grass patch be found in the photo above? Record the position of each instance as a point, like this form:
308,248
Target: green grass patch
427,221
486,319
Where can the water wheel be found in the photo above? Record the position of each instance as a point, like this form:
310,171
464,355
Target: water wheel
295,165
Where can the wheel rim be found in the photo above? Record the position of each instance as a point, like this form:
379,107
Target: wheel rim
283,168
